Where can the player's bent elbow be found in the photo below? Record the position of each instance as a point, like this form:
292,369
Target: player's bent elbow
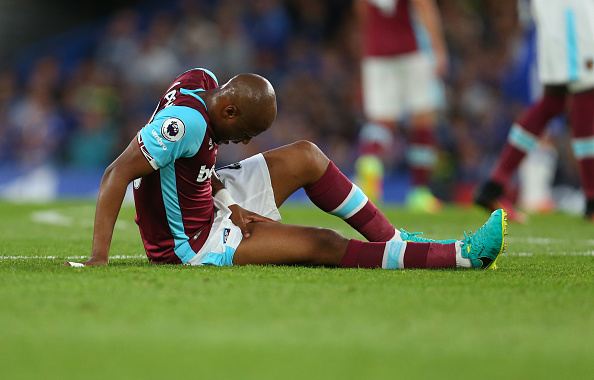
109,170
116,174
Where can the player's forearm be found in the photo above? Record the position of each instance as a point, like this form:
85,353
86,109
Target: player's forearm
109,202
429,13
219,192
216,184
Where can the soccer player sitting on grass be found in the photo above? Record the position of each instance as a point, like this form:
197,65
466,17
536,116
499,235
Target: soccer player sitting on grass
171,162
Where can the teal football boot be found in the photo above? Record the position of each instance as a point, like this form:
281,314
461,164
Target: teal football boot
484,247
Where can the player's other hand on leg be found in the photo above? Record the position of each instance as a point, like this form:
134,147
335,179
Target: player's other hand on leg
241,217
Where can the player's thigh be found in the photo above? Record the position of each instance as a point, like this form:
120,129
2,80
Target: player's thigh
283,244
381,84
249,183
263,182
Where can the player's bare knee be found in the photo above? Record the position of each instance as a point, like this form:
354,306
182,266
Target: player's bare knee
311,159
329,247
309,150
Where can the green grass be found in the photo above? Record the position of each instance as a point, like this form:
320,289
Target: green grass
530,319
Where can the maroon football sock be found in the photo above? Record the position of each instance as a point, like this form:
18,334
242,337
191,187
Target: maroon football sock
582,126
422,155
335,194
375,138
361,254
524,135
398,255
430,255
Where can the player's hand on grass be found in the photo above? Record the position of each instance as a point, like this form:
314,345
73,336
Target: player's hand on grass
89,263
72,264
241,217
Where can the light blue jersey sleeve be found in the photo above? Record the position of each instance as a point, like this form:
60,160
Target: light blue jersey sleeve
175,132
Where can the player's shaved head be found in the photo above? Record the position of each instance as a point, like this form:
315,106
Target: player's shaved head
240,109
254,98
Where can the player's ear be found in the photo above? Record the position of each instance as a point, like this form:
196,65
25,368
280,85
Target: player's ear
230,112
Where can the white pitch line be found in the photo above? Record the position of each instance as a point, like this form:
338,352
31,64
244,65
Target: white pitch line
51,217
122,257
133,257
56,217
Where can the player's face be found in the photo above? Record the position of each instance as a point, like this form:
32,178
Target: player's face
228,126
236,132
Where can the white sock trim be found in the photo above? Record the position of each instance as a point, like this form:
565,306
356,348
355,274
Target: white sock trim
396,236
461,262
394,255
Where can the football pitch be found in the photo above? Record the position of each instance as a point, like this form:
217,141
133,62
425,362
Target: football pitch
532,318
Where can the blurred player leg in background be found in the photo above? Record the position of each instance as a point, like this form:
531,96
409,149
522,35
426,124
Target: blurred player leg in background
422,152
537,172
523,137
582,126
536,175
398,82
565,37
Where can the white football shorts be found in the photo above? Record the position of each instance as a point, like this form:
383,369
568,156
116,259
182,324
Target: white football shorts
565,42
248,182
397,86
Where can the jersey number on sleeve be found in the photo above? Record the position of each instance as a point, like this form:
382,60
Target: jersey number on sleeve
170,96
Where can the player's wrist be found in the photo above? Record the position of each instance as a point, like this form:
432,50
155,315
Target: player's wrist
225,198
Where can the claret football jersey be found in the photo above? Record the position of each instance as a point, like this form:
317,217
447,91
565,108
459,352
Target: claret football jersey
174,205
388,28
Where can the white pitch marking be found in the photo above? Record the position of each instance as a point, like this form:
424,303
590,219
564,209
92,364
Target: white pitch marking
57,218
121,257
51,217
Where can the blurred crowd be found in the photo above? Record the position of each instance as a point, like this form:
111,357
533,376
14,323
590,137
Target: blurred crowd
83,112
